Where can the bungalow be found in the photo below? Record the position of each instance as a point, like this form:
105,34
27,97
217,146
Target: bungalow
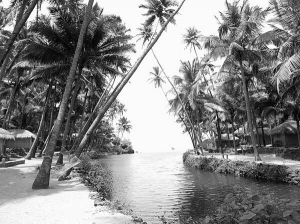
4,137
227,142
285,134
22,139
261,137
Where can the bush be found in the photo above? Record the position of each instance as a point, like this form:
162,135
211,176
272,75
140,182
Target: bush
244,207
97,176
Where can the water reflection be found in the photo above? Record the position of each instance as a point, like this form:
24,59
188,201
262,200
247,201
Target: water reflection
158,184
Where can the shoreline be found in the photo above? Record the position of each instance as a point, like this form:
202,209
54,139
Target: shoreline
246,167
63,202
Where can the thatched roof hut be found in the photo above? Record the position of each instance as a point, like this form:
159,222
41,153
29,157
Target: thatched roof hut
22,139
4,134
21,133
285,134
288,127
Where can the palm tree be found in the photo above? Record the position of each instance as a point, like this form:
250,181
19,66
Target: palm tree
42,179
158,80
239,25
121,85
118,89
21,20
284,39
123,125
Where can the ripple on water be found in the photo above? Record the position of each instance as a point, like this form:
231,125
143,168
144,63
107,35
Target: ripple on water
158,184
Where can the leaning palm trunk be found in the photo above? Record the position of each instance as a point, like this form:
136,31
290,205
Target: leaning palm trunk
182,104
88,123
248,109
67,126
298,132
42,179
9,44
118,89
11,99
33,148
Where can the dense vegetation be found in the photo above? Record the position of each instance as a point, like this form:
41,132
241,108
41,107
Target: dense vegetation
59,73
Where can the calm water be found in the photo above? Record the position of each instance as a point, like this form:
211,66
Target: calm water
155,184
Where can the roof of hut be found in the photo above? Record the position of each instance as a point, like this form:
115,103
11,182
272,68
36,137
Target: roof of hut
21,133
288,127
4,134
240,131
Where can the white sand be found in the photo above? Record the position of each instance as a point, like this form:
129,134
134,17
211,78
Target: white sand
64,202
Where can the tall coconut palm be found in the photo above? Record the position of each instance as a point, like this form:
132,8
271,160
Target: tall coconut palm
42,179
119,88
121,85
239,25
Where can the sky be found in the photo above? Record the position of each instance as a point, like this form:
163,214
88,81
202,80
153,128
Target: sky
154,129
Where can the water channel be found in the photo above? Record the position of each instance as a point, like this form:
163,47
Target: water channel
155,184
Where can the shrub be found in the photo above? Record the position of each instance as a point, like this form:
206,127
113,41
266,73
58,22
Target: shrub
97,176
244,207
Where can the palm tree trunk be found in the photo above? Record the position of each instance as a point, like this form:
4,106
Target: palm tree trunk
248,109
87,124
234,144
6,59
298,132
121,85
33,148
83,110
11,99
263,132
9,43
182,104
42,179
67,125
228,135
256,129
118,89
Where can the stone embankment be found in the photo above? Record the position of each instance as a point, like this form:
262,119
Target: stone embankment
257,170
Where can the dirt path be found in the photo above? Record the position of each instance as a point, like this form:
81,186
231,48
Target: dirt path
270,159
64,202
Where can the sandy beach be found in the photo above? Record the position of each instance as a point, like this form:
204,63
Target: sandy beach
64,202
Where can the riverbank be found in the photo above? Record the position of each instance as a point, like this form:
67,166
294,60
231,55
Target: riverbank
270,168
64,202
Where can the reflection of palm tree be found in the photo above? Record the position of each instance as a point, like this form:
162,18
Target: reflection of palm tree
123,125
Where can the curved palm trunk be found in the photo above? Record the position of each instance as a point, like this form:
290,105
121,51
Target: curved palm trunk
42,179
218,126
182,104
119,88
67,125
33,148
9,43
117,91
248,109
87,124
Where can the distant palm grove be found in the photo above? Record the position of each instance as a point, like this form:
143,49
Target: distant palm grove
61,74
